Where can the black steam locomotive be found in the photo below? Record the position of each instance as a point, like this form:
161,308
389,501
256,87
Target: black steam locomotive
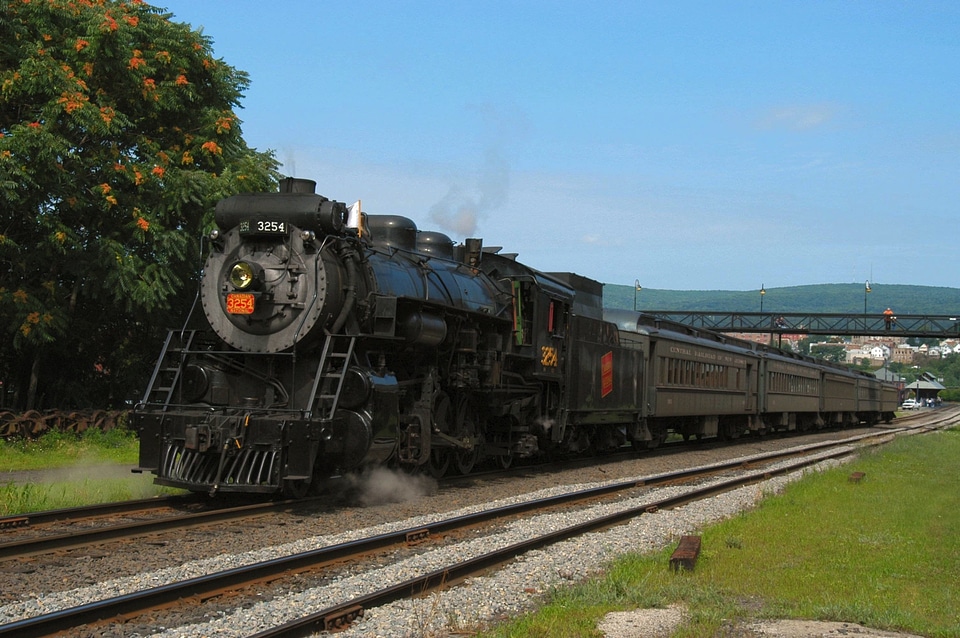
329,344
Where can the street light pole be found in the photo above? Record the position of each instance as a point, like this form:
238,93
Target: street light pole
762,293
636,290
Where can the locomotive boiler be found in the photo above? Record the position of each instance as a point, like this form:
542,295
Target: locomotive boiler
328,341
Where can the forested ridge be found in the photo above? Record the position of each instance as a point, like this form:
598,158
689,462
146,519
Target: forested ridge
904,299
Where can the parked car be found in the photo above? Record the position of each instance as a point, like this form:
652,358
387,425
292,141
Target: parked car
909,404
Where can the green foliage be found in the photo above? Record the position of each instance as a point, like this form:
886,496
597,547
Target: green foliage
947,369
117,136
837,354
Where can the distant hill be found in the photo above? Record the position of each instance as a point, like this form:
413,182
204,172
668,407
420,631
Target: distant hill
818,298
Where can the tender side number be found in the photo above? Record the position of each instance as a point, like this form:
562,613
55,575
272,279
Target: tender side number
548,357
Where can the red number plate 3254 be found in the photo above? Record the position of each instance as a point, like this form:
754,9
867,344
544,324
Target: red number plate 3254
240,303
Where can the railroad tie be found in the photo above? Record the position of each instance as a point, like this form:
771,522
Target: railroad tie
686,553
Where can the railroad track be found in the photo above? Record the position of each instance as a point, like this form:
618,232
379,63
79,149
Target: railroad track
80,527
76,538
320,561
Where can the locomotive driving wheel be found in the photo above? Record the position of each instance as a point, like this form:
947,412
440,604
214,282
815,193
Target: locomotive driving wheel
467,427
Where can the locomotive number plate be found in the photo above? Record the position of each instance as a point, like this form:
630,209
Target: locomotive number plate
262,227
240,303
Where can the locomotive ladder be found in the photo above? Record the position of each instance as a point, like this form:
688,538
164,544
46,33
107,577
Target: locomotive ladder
166,373
331,371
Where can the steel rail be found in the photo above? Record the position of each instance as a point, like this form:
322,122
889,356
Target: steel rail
97,509
81,538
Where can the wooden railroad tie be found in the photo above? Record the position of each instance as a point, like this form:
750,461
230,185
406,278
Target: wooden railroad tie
686,553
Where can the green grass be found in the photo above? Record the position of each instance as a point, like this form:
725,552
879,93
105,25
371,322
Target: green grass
63,449
77,480
884,553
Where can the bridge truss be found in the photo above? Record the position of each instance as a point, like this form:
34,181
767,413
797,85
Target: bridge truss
938,326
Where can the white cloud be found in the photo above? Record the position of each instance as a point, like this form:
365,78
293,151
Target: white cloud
798,117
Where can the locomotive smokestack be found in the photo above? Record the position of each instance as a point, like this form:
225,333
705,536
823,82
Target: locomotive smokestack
297,185
473,248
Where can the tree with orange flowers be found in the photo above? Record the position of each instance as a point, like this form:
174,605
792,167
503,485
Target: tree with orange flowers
118,134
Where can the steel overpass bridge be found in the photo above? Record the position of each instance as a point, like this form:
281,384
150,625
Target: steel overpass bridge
840,324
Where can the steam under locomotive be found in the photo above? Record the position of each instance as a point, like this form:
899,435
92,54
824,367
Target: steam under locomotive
326,346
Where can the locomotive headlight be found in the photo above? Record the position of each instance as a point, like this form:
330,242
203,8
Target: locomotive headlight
243,275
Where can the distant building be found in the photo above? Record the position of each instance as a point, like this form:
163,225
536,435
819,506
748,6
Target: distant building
903,354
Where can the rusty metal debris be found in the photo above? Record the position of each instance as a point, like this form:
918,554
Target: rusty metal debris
33,423
686,554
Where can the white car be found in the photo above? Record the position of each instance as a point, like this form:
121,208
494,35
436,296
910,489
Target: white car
909,404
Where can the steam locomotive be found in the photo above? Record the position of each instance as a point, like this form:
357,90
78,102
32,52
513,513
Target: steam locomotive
331,341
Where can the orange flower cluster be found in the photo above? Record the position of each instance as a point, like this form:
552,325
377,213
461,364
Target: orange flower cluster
223,124
143,224
110,199
137,60
150,88
212,147
182,80
159,171
81,44
72,101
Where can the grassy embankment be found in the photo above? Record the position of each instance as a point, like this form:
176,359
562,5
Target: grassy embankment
70,471
884,553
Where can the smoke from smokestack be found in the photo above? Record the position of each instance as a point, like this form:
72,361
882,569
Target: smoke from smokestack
458,212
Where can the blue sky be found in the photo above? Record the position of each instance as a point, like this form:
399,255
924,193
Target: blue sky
687,145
